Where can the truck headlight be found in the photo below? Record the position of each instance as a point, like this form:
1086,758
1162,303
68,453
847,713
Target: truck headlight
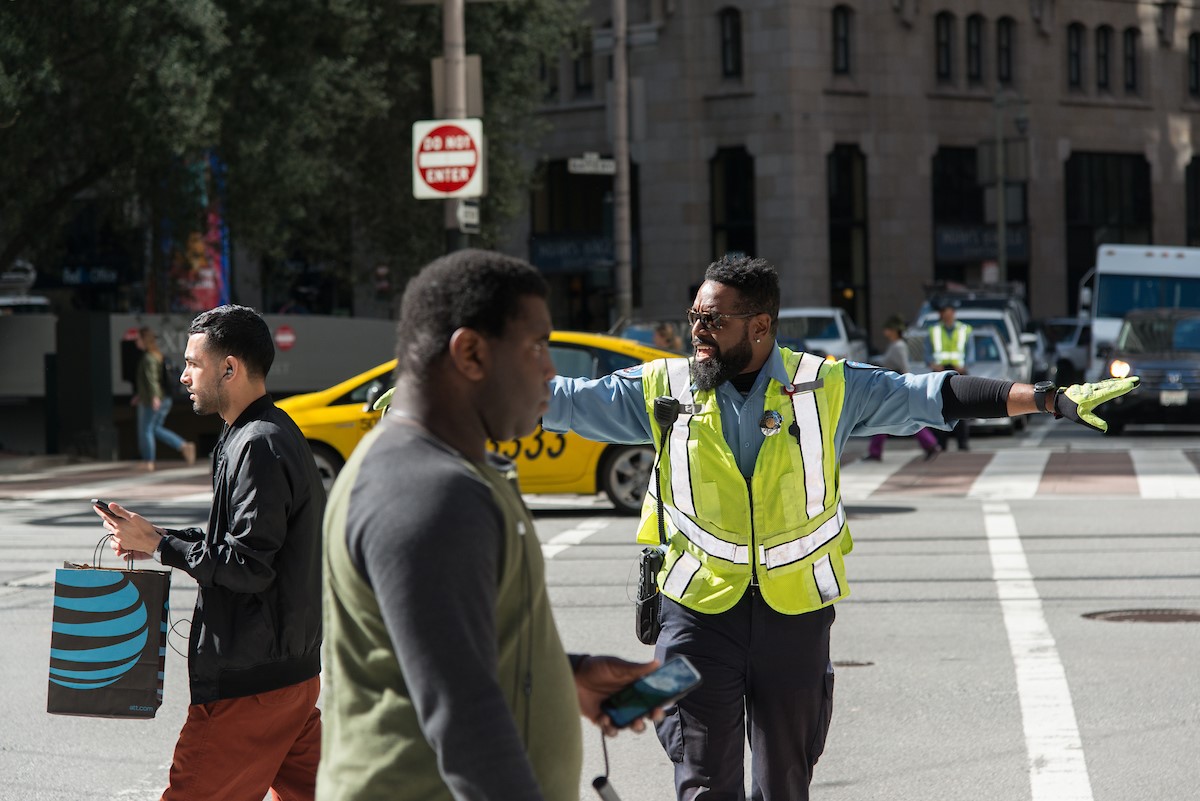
1119,369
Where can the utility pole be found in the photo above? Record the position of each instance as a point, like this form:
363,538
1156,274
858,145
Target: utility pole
454,52
622,237
1001,211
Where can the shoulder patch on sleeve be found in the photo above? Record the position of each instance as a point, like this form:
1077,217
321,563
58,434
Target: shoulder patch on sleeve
634,372
861,365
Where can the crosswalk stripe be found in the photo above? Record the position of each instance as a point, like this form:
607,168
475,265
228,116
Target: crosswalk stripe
867,477
1011,474
1165,474
1022,473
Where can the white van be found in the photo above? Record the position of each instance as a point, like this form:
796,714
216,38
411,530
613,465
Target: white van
1128,277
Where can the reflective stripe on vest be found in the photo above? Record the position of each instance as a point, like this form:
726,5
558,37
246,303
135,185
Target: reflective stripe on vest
679,386
956,353
712,514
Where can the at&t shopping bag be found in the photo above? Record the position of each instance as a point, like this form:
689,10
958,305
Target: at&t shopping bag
108,643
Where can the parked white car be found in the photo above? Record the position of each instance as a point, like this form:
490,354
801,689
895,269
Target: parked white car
1019,346
822,329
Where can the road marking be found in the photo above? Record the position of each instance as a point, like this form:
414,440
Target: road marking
572,536
862,478
99,489
1057,768
1011,474
1037,431
1165,474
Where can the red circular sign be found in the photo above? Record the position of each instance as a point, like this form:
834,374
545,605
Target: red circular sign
285,337
447,158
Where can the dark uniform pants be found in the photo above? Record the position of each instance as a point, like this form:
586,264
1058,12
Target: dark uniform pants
766,676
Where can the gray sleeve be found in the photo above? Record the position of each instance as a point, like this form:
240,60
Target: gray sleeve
429,543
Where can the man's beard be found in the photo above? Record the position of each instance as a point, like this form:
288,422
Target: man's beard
722,365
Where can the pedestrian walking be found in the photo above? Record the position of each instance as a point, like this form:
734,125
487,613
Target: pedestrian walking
749,492
153,401
667,338
447,677
950,348
254,655
895,358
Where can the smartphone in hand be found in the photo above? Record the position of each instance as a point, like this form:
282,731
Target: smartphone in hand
102,506
663,687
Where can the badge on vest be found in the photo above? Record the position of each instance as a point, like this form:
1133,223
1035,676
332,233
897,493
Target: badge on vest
771,423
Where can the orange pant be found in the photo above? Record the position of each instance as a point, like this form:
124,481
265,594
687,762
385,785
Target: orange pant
236,749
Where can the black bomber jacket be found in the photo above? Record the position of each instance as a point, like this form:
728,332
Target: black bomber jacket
257,622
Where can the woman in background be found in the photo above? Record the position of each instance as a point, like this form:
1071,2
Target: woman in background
154,404
895,358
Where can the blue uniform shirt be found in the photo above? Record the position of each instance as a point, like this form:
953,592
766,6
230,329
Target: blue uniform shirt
613,408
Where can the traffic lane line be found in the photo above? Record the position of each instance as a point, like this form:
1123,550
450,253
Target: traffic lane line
1057,767
572,536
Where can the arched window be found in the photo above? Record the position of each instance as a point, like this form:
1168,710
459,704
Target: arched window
1193,65
943,31
731,195
843,40
1075,35
1133,41
975,24
1006,33
730,20
1104,38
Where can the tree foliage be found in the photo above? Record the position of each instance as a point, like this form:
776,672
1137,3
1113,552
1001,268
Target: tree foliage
309,103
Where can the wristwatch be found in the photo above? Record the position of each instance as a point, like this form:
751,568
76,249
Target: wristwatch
1044,393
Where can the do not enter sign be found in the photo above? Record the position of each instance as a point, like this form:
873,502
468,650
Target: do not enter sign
285,337
447,158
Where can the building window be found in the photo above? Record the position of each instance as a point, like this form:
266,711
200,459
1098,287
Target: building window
975,49
584,73
848,264
731,194
1193,65
843,24
1191,180
1133,40
1108,199
731,42
943,30
1103,58
1005,33
548,77
1075,34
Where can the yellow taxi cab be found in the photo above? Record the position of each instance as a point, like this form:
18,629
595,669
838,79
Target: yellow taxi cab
334,420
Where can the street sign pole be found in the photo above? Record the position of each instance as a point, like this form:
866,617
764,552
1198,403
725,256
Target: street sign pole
622,245
454,47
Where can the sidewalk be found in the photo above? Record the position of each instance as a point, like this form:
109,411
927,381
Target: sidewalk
61,478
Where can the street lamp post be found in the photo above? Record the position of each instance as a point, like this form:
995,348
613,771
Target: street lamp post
1002,102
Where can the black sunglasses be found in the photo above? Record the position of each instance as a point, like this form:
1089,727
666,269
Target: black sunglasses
711,321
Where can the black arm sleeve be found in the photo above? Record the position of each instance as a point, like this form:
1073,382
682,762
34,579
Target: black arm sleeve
973,396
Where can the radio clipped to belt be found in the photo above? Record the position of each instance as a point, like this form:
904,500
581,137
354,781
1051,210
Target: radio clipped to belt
648,607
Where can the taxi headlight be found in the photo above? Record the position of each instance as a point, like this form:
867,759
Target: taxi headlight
1119,369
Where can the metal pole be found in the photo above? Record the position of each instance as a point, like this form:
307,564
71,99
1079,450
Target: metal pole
1001,211
454,52
622,237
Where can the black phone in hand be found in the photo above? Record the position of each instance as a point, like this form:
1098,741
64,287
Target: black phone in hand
663,687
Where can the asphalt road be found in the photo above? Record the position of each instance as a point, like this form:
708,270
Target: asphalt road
966,665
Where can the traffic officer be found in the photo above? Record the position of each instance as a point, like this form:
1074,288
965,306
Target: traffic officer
749,485
950,345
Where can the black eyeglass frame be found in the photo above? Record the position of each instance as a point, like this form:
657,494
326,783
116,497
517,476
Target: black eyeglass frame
711,321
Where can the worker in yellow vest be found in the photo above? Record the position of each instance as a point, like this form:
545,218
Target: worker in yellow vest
950,349
749,436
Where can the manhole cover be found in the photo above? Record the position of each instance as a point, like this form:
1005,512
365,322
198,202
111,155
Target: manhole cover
1147,616
851,663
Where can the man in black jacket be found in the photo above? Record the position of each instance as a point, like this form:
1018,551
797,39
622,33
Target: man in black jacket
254,654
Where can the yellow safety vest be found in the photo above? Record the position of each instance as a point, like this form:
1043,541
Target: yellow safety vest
788,517
949,347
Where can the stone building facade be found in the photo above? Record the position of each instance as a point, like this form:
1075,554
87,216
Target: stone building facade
840,139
